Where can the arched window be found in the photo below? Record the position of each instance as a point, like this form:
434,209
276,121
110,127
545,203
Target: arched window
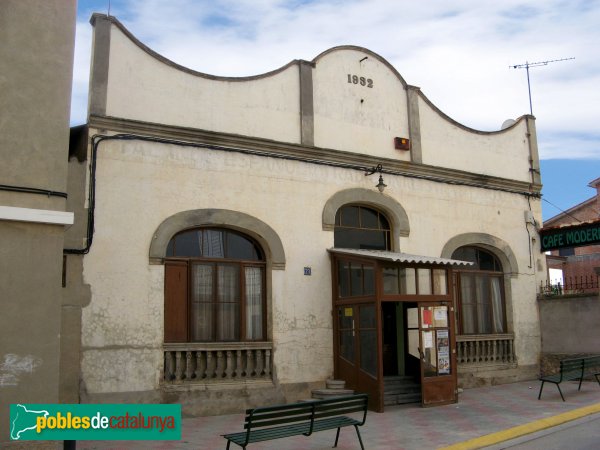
358,226
214,287
480,293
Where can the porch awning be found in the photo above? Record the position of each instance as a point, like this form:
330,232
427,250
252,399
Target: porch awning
384,255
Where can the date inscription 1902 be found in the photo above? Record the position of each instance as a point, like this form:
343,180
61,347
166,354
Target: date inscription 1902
355,79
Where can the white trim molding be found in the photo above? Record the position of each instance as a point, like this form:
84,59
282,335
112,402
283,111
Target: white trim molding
36,215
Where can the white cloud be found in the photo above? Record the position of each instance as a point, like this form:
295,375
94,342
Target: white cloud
458,52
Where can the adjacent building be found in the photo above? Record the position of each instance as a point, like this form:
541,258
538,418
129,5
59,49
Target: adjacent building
36,54
239,241
573,268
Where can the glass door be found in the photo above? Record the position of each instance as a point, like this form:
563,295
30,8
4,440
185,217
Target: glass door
357,352
431,337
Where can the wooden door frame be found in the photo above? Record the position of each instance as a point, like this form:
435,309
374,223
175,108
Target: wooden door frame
377,299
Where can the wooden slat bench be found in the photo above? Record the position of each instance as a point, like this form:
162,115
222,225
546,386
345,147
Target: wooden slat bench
302,418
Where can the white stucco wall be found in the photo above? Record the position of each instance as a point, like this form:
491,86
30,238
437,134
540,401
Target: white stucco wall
502,154
345,115
142,87
356,117
140,184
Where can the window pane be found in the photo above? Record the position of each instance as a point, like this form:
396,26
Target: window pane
467,304
171,248
383,223
202,303
368,339
254,302
369,277
212,244
361,227
486,261
347,345
408,283
439,282
367,317
343,279
368,351
497,305
424,281
356,279
228,325
239,247
374,240
350,216
390,281
357,238
202,322
369,218
187,244
338,217
483,304
228,296
465,254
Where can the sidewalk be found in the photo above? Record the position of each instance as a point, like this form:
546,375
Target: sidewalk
479,412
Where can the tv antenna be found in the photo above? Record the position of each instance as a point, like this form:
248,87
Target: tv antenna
527,65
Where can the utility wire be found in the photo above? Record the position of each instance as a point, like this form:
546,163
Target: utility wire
562,210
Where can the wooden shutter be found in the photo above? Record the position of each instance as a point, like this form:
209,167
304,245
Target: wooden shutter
176,301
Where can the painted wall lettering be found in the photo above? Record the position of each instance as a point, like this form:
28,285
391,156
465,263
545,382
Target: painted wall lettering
355,79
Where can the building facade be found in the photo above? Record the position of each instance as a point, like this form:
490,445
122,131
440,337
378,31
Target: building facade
252,237
575,267
36,52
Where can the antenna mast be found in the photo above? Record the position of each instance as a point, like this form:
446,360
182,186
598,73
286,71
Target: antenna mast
527,65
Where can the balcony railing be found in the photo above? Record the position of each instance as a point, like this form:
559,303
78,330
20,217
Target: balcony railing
199,363
588,284
485,349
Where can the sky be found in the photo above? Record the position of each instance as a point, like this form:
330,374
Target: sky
461,53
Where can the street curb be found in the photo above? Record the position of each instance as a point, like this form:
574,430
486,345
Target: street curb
521,430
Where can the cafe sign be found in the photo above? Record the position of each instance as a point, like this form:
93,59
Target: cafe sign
570,236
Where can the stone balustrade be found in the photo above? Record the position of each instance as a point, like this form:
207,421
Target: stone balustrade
197,363
484,349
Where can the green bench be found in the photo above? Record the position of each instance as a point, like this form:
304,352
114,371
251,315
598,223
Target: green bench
302,418
591,367
573,369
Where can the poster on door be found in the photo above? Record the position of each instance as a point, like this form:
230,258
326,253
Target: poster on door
443,352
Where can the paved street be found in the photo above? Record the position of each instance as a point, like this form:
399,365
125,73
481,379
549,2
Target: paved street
581,434
480,412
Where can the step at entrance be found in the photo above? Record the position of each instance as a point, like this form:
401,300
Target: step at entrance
398,390
334,388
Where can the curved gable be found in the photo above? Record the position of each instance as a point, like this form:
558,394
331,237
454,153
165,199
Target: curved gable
131,81
360,103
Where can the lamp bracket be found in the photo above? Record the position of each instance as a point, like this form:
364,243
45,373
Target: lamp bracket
372,170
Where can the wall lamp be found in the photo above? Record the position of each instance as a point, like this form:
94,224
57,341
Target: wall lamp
381,185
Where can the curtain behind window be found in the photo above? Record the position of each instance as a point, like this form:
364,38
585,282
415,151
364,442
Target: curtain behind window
202,302
467,304
254,314
497,305
483,304
228,298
